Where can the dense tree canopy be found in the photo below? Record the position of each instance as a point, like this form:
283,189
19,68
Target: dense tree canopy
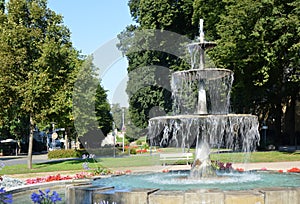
259,41
146,74
38,70
37,62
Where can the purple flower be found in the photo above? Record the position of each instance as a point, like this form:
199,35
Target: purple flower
85,165
2,165
91,156
45,197
221,165
5,198
2,190
36,198
228,165
55,197
84,156
8,199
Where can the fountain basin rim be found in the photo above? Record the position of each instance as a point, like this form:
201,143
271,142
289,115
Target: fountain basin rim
194,116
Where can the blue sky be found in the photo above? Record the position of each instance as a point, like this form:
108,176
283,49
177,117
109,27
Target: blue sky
93,24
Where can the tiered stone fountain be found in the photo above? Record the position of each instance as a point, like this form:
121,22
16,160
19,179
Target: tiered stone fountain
201,120
201,106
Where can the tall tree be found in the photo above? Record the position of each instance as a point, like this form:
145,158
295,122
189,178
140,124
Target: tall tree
259,41
37,61
148,87
102,109
92,117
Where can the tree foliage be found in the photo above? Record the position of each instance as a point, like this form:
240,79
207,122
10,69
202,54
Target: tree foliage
38,71
91,109
258,40
37,63
147,76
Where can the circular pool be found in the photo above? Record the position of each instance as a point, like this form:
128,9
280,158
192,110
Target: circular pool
179,180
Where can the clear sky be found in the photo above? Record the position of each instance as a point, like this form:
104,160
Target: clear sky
94,25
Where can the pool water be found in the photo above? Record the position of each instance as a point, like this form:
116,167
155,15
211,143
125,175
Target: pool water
178,180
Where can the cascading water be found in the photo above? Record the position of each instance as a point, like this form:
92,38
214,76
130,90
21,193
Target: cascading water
202,120
201,106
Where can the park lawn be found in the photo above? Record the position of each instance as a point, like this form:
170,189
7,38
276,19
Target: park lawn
76,164
143,160
271,156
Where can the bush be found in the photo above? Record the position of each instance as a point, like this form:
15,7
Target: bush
138,142
66,153
132,151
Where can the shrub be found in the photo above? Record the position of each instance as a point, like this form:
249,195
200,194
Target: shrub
132,151
138,142
65,153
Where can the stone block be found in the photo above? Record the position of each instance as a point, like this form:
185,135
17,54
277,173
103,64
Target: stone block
135,196
81,193
167,197
204,196
281,195
244,197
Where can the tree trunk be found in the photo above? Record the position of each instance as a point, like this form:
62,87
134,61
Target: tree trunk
29,161
278,129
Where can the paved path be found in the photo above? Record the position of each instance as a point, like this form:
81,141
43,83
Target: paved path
249,166
39,158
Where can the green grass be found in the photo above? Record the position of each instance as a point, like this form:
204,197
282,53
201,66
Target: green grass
144,160
43,167
273,156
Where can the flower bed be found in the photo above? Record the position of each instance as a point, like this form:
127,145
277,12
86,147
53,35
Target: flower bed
294,170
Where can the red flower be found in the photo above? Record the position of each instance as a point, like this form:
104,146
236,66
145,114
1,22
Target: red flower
240,169
294,170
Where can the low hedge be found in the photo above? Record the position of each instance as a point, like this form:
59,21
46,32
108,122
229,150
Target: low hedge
66,153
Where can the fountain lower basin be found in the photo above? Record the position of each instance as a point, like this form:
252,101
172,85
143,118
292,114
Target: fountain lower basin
179,180
173,187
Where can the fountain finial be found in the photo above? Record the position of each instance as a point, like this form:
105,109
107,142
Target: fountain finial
201,37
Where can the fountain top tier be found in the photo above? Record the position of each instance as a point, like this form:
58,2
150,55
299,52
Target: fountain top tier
197,49
201,90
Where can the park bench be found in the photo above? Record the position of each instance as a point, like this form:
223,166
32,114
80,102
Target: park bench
164,157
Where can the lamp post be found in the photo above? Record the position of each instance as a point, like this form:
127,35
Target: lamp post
113,134
264,128
123,128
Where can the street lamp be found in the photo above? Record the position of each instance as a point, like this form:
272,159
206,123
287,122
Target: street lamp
113,134
123,128
264,128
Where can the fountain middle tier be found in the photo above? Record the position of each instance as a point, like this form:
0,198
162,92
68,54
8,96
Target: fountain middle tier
201,91
238,132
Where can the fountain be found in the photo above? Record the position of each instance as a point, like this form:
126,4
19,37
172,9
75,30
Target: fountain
201,106
202,120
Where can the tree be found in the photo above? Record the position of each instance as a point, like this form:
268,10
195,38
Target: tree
92,117
2,5
259,41
102,108
148,87
37,61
